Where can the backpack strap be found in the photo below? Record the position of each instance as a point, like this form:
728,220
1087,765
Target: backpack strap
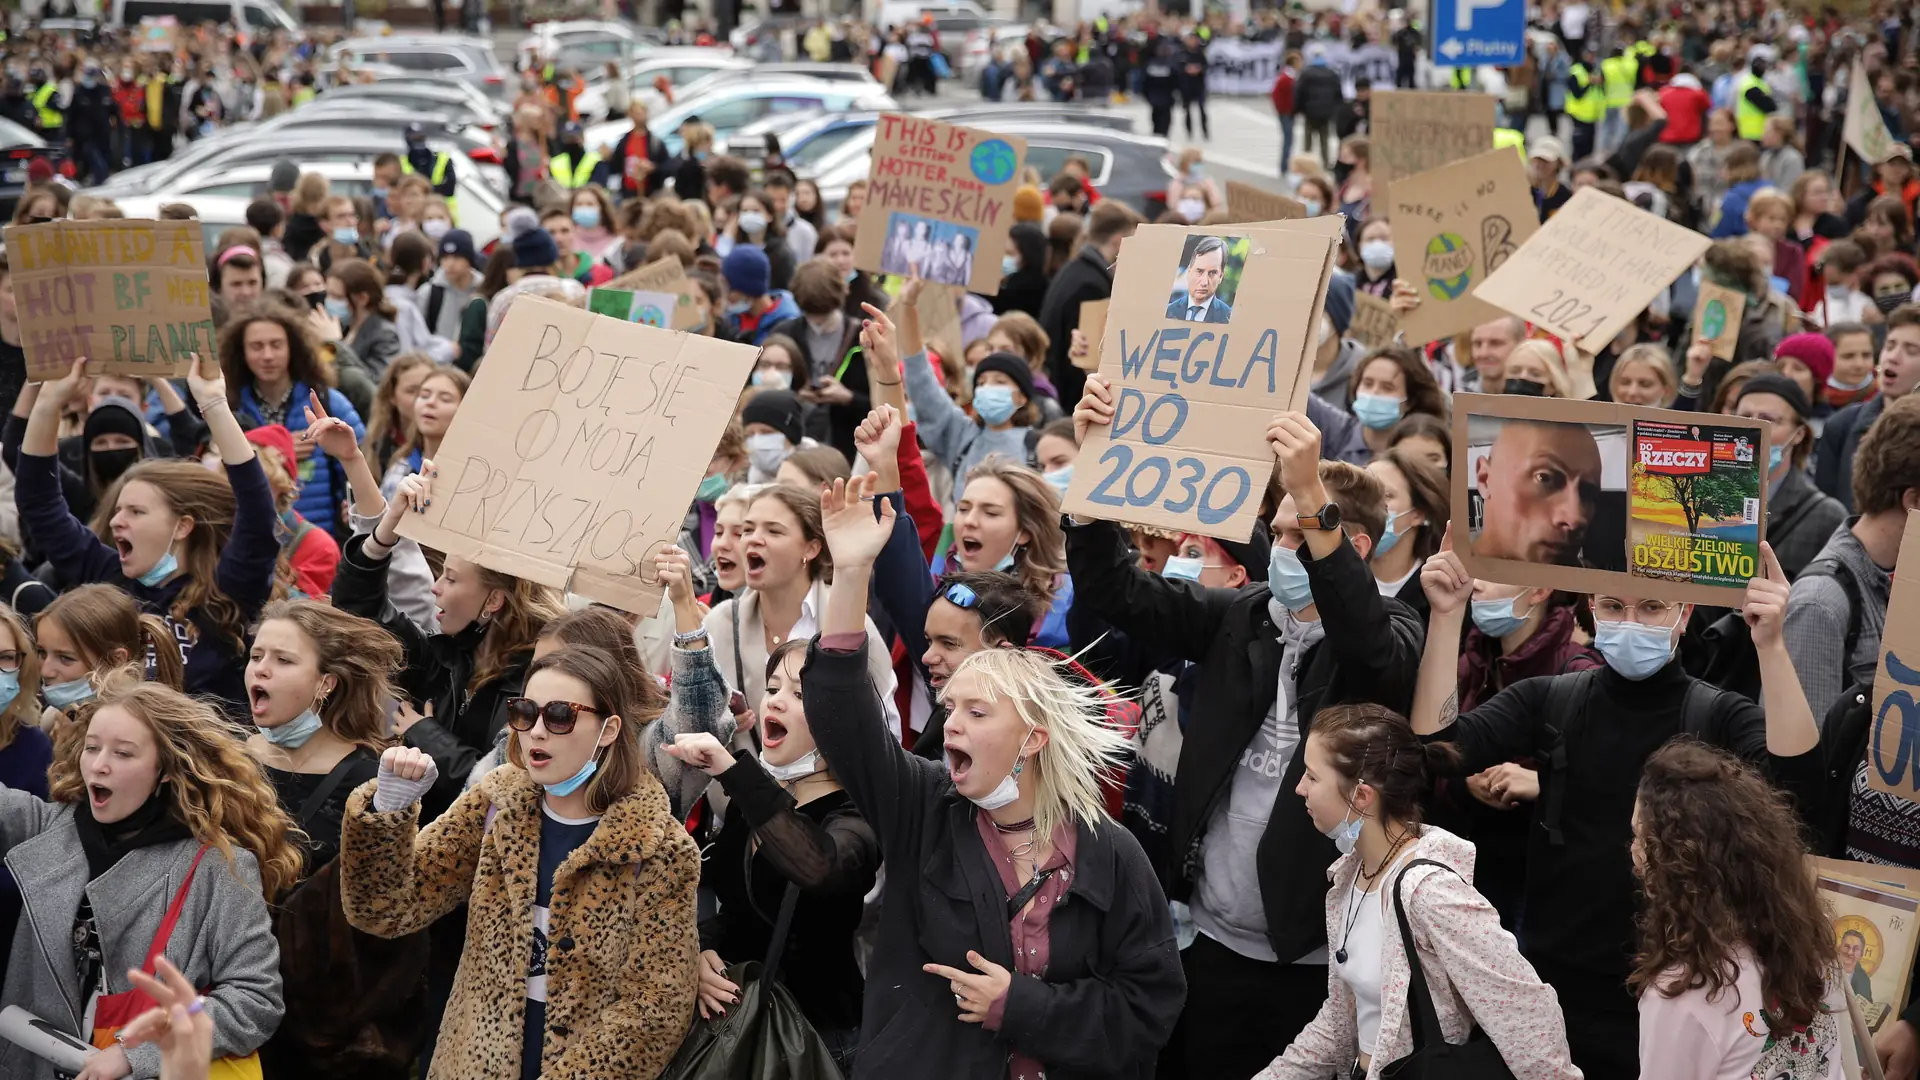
1566,701
1696,709
334,778
160,937
1841,573
436,298
1420,1011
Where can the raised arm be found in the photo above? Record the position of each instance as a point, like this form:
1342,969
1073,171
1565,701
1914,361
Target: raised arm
884,384
1791,729
395,877
1436,693
76,553
697,697
245,571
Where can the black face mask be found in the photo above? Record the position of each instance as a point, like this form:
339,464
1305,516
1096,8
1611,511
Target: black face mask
1526,388
109,464
1887,303
317,298
1341,170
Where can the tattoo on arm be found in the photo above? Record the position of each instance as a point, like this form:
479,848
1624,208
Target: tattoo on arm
1450,710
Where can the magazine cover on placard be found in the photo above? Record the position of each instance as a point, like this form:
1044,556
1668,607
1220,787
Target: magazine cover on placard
1694,509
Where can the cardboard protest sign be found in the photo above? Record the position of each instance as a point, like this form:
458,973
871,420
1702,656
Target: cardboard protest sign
130,296
939,196
645,308
1374,323
161,34
1865,129
1876,926
1452,227
578,449
1716,317
1207,332
661,277
1592,268
1093,326
939,311
1246,203
1594,496
1416,131
1893,751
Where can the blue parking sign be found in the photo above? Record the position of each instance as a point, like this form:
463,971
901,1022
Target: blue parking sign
1468,33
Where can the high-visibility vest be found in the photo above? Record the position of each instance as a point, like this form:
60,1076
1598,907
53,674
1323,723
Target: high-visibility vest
573,175
1640,50
302,95
1509,137
1462,78
1619,72
1747,117
1584,104
50,117
440,166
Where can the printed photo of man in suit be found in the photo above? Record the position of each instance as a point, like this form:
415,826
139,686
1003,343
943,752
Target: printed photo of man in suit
1205,270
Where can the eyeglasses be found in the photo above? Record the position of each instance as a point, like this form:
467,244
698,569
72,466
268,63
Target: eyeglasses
1647,612
960,596
560,716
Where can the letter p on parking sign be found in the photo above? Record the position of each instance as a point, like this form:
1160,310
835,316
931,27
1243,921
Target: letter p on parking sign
1469,33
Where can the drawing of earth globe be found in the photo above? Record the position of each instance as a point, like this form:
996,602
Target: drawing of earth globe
650,315
1713,321
1449,266
993,161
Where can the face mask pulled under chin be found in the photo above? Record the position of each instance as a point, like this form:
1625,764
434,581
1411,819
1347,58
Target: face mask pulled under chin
1008,789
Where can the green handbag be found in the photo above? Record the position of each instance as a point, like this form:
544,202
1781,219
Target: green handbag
766,1036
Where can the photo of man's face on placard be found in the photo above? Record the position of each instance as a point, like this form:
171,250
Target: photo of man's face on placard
1547,492
1208,276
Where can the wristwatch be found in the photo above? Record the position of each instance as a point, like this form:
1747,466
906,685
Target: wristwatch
1326,519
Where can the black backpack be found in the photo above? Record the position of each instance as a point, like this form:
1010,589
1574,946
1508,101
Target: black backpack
1726,657
1567,699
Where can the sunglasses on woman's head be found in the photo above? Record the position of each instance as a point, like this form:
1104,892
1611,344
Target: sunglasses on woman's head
559,715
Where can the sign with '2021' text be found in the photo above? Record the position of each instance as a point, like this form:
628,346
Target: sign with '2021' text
578,448
1206,339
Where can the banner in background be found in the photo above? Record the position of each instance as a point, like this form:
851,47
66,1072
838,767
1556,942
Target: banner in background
1249,67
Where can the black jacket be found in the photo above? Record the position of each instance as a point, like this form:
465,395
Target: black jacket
1800,520
656,152
850,369
1084,278
1113,987
464,724
1833,454
1316,93
1371,653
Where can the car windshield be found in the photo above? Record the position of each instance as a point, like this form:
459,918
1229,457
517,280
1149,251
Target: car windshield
816,149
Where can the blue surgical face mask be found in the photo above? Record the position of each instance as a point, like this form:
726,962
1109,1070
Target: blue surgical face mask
65,695
9,687
161,570
1377,255
994,404
1633,650
1496,618
293,734
853,276
347,235
587,217
1005,564
1774,454
1183,568
1009,264
1346,835
770,377
1287,577
339,309
1391,535
738,307
1059,479
579,780
1312,205
1377,411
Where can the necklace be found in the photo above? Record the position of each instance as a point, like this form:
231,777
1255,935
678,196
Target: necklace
1016,827
1340,954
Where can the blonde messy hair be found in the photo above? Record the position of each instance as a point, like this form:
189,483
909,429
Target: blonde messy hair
213,786
1082,750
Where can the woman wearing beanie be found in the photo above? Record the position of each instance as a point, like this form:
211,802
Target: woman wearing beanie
754,306
1002,394
774,423
1807,359
1800,517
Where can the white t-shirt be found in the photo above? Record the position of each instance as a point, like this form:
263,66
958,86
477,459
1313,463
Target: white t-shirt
1573,20
1692,1038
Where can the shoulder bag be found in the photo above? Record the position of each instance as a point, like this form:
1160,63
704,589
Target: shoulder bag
1433,1057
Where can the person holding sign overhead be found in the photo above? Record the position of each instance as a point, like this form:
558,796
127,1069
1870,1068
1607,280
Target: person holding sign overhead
1596,729
1203,274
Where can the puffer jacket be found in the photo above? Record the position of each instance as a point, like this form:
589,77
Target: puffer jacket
1474,971
622,936
323,481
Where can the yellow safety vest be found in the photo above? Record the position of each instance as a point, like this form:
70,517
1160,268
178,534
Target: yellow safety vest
573,176
1640,50
303,95
1462,78
1584,104
1619,72
1747,117
50,117
439,176
1509,137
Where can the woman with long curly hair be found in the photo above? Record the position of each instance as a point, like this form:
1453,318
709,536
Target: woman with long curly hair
155,786
318,686
192,546
270,360
1737,971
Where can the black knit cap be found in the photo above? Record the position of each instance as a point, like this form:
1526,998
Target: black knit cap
1768,382
1013,367
778,409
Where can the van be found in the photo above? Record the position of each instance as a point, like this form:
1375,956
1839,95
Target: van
254,15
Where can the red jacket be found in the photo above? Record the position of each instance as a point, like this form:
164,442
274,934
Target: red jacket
314,560
1686,109
1282,93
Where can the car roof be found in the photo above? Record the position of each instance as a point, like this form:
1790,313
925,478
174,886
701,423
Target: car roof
414,41
579,26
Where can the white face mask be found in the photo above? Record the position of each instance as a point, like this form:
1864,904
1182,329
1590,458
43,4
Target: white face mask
767,451
798,769
1008,789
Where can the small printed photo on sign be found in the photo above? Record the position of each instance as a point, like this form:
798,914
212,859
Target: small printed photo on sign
1547,492
1207,278
929,248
